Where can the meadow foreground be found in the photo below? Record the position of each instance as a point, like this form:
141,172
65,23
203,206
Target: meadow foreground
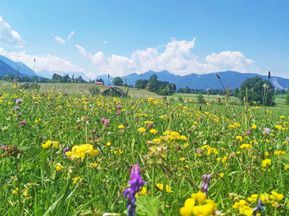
73,154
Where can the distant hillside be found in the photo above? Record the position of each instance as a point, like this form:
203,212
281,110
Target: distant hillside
230,79
6,69
18,66
10,70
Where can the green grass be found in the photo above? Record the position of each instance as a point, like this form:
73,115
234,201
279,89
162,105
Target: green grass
191,141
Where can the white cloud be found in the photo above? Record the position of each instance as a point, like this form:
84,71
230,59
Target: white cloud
176,56
44,63
8,36
59,40
70,35
233,60
82,50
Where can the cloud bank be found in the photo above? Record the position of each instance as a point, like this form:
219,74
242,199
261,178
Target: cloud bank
176,56
44,63
8,36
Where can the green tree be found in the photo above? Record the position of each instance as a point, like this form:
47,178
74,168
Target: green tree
236,92
153,83
117,81
141,84
257,91
201,99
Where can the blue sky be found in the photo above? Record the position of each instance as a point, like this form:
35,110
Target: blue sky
120,37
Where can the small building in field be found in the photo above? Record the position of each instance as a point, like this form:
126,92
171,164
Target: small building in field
99,83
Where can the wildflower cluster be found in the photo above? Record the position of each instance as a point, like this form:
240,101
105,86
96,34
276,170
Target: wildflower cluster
198,205
50,143
80,151
246,206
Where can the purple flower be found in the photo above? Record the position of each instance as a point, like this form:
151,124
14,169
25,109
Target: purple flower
266,131
118,106
105,122
205,184
248,132
22,123
259,207
199,151
18,101
16,108
135,184
66,149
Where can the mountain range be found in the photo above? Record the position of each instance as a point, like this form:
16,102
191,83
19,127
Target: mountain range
230,79
9,67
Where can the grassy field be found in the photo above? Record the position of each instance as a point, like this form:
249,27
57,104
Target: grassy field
72,154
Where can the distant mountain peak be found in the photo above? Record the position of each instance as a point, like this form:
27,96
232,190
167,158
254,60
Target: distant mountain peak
19,67
231,79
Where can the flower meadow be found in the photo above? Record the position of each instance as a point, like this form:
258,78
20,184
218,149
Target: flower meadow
82,155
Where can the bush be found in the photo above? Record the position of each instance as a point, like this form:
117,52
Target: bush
94,91
117,81
115,92
201,99
257,92
33,86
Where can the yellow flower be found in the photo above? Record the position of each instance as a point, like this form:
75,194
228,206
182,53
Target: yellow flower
253,198
141,130
246,210
278,127
121,126
253,126
276,196
58,167
182,159
108,144
266,163
207,209
25,192
80,151
279,152
198,205
245,146
200,197
76,179
234,125
265,198
212,151
187,210
161,187
143,191
153,131
50,143
93,165
37,120
240,204
173,135
239,138
221,174
15,191
156,141
46,145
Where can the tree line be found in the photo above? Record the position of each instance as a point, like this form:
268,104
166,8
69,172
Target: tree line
157,86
